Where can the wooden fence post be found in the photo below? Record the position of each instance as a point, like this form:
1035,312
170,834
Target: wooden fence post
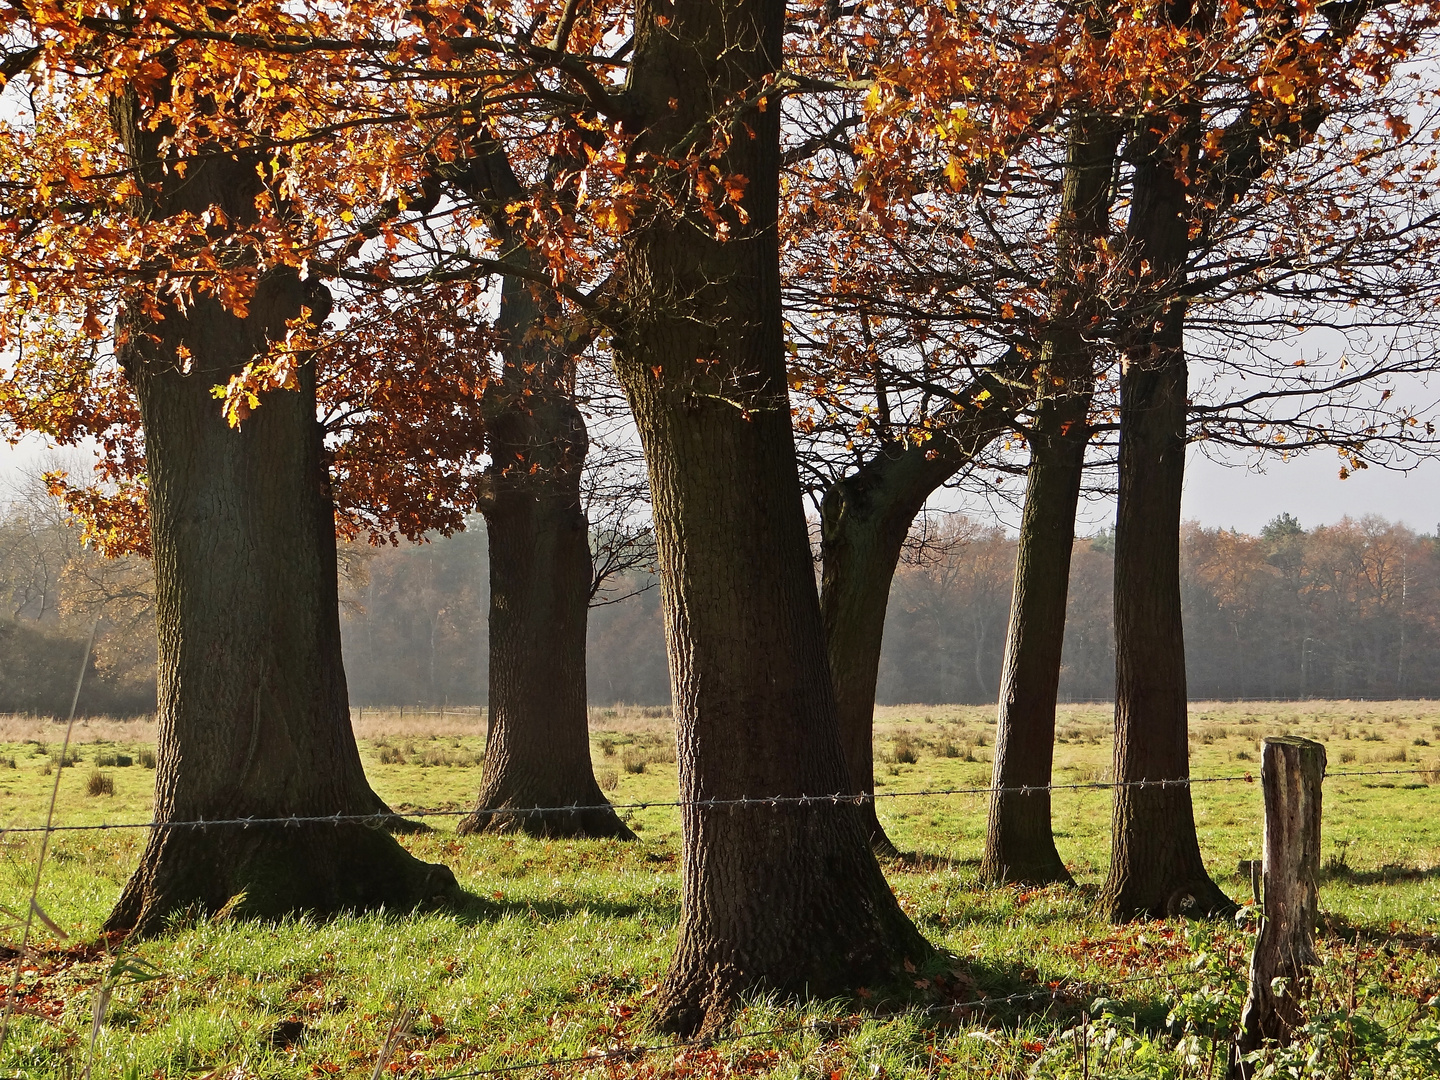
1291,773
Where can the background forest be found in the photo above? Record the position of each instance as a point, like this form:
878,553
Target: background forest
1350,610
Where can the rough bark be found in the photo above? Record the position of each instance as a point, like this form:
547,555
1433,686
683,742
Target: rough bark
785,896
864,519
1019,843
253,712
537,748
1156,868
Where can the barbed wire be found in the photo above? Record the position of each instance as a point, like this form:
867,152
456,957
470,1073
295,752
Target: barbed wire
379,819
623,1053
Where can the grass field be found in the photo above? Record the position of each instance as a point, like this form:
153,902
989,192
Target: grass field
561,943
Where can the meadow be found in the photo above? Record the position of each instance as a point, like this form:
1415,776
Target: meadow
559,944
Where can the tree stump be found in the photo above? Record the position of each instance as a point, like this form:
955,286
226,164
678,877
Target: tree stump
1291,772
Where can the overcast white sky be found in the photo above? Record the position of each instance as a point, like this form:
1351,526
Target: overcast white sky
1310,488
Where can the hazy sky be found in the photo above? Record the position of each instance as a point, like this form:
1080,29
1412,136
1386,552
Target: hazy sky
1245,499
1310,488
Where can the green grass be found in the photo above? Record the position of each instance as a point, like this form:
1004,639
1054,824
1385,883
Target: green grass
561,944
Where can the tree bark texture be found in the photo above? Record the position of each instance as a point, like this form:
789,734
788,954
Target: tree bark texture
253,712
1156,868
785,896
864,519
537,748
1292,772
1019,843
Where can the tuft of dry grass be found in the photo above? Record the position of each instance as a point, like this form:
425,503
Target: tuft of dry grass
99,783
905,750
391,755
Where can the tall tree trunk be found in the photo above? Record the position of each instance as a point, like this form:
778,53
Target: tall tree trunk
537,750
1156,868
784,896
253,710
1019,843
864,519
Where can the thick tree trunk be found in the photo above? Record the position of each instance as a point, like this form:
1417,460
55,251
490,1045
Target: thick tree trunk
1156,868
1019,844
253,711
864,520
783,896
537,750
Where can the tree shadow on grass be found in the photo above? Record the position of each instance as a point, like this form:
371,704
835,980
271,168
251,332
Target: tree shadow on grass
1337,872
471,908
1342,929
949,996
922,862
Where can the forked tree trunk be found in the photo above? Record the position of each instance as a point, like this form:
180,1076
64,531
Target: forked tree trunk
864,520
1019,842
1155,869
253,712
782,896
537,750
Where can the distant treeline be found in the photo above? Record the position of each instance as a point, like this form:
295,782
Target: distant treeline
415,624
1350,610
1346,610
52,592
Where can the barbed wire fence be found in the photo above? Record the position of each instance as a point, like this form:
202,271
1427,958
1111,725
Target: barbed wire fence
1064,990
383,818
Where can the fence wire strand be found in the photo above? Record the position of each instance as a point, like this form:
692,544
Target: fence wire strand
381,819
1056,990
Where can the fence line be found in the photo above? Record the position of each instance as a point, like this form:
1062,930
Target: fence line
774,801
1067,986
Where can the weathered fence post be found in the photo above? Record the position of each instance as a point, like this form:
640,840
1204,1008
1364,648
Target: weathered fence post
1291,773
